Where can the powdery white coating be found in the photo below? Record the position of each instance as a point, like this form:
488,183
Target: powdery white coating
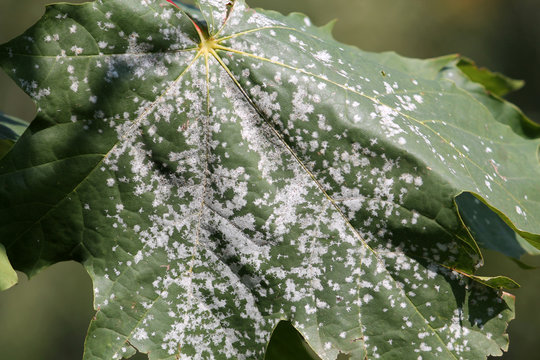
229,213
387,117
323,56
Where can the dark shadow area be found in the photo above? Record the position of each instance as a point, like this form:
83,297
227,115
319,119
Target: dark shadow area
286,343
489,230
139,356
481,308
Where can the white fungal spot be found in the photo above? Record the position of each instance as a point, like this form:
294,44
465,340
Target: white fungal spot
323,56
76,50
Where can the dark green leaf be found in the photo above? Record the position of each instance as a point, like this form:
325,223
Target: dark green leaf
288,344
490,230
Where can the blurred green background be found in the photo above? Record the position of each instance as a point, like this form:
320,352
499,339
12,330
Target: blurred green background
47,317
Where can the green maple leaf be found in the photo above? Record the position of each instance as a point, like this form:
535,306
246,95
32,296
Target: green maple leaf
217,171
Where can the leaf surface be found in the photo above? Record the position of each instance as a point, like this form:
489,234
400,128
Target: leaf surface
215,186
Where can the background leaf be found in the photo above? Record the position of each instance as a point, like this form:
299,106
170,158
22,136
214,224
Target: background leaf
10,130
490,230
11,127
8,276
496,83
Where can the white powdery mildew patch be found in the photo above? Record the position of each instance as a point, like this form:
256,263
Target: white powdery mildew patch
220,242
269,157
266,101
384,186
323,56
387,116
389,195
176,221
137,47
140,60
302,106
261,20
286,203
32,88
199,316
290,223
456,335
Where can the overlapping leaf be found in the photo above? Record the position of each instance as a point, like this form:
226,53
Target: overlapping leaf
10,130
488,229
8,276
214,185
